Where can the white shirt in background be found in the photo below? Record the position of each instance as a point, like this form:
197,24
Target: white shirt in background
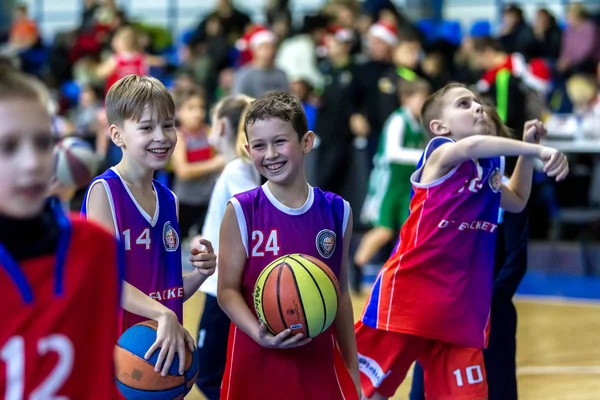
238,176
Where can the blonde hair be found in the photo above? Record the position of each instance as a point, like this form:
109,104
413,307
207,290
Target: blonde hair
16,84
582,89
129,37
233,109
129,97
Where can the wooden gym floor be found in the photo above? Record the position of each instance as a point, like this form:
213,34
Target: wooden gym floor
558,347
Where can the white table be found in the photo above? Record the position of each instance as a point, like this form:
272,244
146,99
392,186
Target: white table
579,145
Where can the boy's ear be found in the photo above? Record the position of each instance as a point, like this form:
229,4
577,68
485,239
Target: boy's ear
116,135
308,141
438,128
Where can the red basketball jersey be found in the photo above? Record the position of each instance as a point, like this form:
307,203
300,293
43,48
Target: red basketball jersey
127,65
59,317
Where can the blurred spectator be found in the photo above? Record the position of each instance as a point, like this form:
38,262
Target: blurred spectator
435,69
279,17
260,75
126,58
333,126
547,36
232,22
297,55
194,162
580,49
583,93
84,116
24,32
516,36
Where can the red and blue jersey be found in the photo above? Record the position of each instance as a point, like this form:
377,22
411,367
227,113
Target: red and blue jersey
438,282
60,316
151,242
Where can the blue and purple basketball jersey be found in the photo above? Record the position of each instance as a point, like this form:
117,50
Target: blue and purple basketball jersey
151,243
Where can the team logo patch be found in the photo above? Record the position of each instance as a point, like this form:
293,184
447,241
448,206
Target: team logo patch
495,181
326,243
170,237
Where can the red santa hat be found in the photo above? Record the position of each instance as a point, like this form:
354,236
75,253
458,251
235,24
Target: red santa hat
384,31
254,37
341,34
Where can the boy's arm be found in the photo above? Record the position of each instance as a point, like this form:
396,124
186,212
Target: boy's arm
344,321
515,193
106,68
186,170
232,261
395,152
444,158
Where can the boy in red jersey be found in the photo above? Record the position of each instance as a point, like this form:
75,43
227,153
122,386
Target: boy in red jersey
431,301
59,278
285,215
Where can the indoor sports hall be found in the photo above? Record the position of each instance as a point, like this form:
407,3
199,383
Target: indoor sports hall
548,50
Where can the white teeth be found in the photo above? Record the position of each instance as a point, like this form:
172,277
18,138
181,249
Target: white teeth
274,167
158,151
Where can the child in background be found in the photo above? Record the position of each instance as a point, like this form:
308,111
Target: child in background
400,147
127,58
194,162
143,214
239,175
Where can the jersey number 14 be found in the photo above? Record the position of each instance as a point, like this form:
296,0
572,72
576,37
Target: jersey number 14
142,240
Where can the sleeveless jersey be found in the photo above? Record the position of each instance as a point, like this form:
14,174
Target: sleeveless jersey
152,249
438,282
60,316
270,230
127,65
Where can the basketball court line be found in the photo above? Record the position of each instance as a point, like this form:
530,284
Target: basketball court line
559,370
557,300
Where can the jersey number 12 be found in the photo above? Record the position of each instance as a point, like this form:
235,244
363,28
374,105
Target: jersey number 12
13,354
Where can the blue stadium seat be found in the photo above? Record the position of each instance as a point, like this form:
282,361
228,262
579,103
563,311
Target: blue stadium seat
450,31
71,90
481,27
427,27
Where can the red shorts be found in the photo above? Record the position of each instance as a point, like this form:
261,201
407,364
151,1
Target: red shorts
451,372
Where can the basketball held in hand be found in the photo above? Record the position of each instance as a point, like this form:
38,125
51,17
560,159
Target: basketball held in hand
298,292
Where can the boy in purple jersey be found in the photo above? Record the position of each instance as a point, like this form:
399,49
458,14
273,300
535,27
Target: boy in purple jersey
143,214
286,215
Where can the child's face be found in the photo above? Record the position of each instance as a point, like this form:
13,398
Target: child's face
378,49
407,54
462,114
26,157
191,113
415,102
264,52
149,142
275,150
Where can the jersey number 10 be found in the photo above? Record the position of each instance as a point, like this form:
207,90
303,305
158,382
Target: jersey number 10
13,354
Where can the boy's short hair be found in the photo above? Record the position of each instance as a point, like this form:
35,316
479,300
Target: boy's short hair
129,97
408,88
15,84
408,36
278,104
432,107
182,95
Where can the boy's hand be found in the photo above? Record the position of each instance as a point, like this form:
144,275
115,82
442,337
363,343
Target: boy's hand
534,131
555,163
203,256
280,341
171,338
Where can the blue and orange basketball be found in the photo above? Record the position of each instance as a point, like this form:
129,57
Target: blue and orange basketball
298,292
136,378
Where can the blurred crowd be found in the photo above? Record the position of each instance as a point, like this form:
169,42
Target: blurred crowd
353,65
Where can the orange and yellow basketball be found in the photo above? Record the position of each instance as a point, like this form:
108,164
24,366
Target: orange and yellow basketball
299,292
